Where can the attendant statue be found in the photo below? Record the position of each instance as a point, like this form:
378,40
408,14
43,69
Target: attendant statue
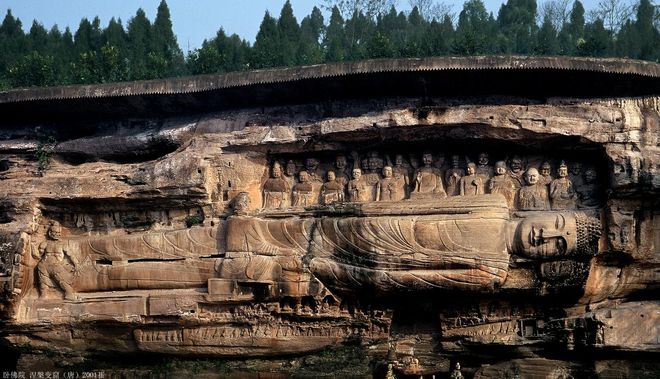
428,183
589,192
483,168
371,176
401,174
516,172
303,193
276,189
501,183
472,183
546,177
341,170
562,193
388,188
575,176
534,196
316,176
332,190
357,189
290,171
453,176
54,257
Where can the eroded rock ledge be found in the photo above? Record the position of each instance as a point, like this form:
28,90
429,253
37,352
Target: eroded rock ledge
516,233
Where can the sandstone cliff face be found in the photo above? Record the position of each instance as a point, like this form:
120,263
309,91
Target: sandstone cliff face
516,231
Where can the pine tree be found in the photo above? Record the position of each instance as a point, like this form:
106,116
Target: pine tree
646,32
288,33
517,22
358,30
596,40
572,33
164,46
415,41
139,39
471,33
83,37
335,38
38,38
309,49
12,45
546,38
265,52
115,35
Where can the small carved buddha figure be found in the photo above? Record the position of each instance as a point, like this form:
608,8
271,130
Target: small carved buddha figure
428,183
453,176
357,190
388,188
401,174
341,168
414,165
332,190
290,173
534,196
276,189
575,175
589,192
502,183
562,193
315,173
483,169
303,194
372,175
51,269
545,173
516,172
316,176
471,184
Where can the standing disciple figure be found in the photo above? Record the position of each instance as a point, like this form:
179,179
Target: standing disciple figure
341,170
534,196
303,193
51,269
332,190
471,184
388,189
357,189
545,173
276,189
453,176
290,173
589,192
502,183
516,172
483,169
562,193
316,176
372,175
401,174
428,183
414,165
575,176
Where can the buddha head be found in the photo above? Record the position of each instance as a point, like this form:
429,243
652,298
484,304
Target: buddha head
552,234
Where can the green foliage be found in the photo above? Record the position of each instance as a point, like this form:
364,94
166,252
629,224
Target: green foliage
33,69
194,220
44,151
355,29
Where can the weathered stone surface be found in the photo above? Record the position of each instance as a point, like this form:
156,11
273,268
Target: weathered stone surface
493,235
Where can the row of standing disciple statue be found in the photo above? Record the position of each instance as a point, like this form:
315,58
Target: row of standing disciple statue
531,189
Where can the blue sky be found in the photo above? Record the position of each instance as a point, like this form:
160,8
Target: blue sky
193,20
